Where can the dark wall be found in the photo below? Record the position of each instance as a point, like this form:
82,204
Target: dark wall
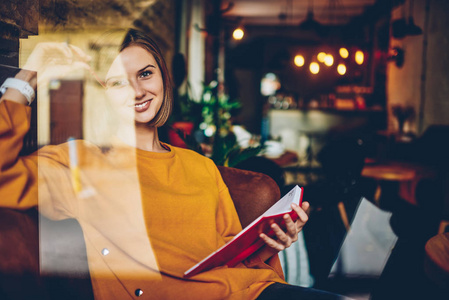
18,19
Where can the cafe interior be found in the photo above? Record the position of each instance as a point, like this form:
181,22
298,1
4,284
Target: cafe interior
345,98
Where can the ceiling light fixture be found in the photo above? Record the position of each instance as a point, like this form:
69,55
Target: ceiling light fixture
310,24
238,33
341,69
321,56
329,60
299,60
412,29
402,27
314,68
359,57
344,53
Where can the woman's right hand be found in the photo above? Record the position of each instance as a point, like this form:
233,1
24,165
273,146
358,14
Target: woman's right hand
49,60
53,60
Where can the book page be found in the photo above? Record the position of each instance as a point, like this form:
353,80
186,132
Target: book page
280,207
284,204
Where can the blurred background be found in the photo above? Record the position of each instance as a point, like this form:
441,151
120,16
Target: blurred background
348,98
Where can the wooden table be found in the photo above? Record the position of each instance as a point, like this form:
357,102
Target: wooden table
436,263
406,174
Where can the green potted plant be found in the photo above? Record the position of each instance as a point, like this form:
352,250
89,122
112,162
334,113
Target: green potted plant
216,115
186,116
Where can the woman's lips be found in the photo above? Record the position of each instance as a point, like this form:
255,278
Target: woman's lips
142,106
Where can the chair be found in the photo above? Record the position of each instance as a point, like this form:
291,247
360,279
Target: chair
436,263
20,278
333,200
430,149
404,276
433,150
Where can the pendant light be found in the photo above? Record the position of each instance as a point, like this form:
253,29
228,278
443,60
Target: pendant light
405,27
310,24
399,26
412,29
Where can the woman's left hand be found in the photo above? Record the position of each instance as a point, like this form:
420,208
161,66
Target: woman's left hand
286,238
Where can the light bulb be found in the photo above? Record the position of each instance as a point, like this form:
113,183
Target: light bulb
341,69
359,57
238,34
329,60
299,60
314,68
321,56
344,53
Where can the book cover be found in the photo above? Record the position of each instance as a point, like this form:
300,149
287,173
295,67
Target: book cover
247,241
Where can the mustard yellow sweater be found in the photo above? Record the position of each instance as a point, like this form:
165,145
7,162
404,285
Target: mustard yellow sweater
146,217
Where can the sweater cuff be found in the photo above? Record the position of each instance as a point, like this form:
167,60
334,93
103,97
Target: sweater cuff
14,115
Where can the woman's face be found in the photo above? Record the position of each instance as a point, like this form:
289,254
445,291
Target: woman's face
134,85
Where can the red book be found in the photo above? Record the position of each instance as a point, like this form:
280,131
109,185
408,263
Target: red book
247,241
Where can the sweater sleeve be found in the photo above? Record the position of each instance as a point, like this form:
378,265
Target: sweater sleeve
18,177
28,181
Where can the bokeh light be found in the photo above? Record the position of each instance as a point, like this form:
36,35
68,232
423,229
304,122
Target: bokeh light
314,68
341,69
321,56
344,53
299,60
359,57
329,60
238,34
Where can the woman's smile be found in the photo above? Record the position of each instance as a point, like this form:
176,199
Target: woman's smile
143,106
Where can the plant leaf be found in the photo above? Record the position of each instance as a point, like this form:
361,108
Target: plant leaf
243,154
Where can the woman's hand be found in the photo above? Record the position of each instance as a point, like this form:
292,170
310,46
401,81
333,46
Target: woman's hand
49,61
52,60
285,239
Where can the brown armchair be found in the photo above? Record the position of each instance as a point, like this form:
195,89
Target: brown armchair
20,276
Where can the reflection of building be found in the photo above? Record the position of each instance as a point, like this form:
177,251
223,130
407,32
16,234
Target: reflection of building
72,104
66,110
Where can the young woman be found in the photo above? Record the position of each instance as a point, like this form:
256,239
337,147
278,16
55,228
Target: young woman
149,211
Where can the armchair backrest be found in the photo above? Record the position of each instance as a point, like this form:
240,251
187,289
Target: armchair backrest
253,193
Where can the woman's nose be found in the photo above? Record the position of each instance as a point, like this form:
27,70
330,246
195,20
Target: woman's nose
139,90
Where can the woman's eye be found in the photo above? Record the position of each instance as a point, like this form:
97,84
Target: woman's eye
145,74
120,83
117,83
